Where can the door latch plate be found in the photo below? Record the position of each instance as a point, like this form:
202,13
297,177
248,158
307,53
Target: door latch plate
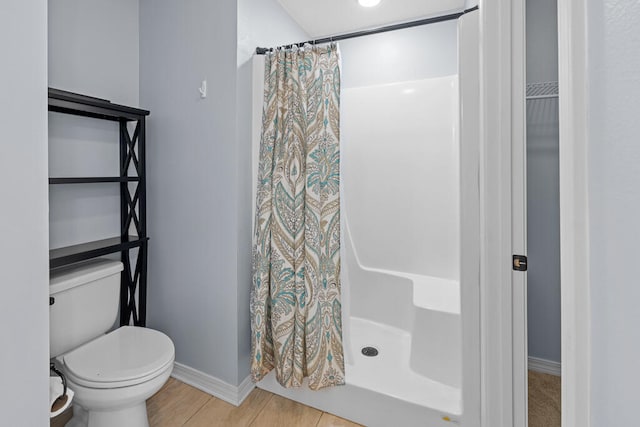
520,263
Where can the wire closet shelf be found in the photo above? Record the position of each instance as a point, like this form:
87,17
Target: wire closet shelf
543,90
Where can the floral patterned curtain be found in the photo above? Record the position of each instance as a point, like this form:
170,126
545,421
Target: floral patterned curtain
296,322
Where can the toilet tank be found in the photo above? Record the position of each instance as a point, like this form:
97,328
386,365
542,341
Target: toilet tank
86,301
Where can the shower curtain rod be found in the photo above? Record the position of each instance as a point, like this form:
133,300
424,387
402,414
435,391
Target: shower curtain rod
264,50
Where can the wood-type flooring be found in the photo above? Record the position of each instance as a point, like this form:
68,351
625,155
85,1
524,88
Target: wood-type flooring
178,404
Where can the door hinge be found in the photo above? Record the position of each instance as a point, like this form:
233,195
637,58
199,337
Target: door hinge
520,263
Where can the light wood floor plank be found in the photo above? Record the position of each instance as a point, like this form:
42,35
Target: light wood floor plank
217,412
328,420
281,412
178,404
174,404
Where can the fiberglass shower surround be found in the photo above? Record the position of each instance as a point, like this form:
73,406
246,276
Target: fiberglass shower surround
400,230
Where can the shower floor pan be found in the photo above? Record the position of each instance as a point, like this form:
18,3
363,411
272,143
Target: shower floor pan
380,390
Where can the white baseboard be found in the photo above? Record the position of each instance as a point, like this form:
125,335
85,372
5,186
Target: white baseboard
545,366
212,385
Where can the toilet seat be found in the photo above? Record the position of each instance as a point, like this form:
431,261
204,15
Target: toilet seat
127,356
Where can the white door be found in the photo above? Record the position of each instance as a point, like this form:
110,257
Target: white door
519,212
519,278
503,293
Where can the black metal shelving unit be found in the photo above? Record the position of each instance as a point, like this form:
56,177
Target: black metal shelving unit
133,207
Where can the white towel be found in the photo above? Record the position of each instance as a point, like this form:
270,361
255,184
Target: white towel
55,391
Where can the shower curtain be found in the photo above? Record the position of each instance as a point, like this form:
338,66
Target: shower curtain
296,323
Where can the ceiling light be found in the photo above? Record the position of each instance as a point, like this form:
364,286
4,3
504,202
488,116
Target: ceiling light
368,3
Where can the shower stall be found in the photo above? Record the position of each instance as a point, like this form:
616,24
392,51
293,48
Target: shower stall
401,198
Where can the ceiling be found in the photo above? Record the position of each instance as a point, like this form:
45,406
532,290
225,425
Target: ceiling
321,18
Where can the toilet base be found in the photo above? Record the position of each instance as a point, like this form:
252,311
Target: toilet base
133,416
117,406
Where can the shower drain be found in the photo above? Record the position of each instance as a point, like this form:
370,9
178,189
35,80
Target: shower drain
370,351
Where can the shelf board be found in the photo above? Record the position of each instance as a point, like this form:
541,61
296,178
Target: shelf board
90,180
62,101
70,254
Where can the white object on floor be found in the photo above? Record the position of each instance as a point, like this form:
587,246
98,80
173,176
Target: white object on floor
55,391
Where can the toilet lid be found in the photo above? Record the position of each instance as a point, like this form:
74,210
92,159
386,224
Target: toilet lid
125,354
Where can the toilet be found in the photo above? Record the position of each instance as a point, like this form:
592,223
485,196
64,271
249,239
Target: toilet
112,371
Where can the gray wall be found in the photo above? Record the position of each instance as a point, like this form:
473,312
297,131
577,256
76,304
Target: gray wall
24,257
93,49
264,23
543,203
614,208
192,174
542,40
260,23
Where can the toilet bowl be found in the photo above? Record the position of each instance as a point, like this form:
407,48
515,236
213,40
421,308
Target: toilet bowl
111,373
113,376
